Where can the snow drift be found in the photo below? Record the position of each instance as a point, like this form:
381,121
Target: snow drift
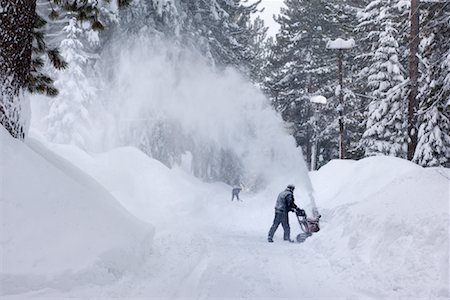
386,225
58,225
146,187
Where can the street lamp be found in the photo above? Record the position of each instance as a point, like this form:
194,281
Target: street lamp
317,102
341,44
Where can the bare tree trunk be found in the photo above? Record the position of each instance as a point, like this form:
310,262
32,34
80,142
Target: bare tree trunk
16,26
413,73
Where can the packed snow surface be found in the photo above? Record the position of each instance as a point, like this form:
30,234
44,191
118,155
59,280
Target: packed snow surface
385,231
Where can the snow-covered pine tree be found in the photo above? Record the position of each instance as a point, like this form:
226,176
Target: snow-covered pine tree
286,85
68,120
152,17
227,27
259,49
301,66
433,148
21,50
385,129
354,120
221,29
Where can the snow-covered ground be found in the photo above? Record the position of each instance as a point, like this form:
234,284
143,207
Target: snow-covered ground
121,225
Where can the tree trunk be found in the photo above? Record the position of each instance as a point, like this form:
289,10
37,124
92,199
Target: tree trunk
16,26
413,70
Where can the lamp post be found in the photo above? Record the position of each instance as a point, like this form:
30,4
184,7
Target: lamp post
340,45
317,101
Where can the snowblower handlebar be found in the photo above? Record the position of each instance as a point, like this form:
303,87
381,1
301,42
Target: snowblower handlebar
300,212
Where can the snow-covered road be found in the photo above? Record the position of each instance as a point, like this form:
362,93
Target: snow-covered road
202,266
205,263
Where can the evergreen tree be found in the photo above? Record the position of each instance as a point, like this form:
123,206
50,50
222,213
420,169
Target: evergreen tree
433,148
221,29
354,120
227,27
68,116
259,49
385,127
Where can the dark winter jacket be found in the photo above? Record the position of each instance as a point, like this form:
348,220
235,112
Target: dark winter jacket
236,190
285,201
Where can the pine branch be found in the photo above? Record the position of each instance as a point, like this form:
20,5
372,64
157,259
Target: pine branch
42,84
37,63
53,15
56,59
124,3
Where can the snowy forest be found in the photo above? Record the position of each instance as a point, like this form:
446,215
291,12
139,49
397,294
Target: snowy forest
376,85
125,125
73,52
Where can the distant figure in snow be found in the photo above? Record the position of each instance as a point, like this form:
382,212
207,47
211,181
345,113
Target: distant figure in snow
285,204
235,192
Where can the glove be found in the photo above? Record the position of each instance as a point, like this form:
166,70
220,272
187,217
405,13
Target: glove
294,207
300,212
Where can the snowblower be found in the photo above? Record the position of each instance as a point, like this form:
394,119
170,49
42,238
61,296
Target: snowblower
307,225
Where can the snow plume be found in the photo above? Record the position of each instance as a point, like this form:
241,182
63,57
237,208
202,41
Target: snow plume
171,104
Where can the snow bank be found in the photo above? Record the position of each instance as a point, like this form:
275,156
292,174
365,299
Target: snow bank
339,179
144,186
58,222
386,225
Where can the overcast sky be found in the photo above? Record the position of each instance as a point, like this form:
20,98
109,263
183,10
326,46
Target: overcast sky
271,7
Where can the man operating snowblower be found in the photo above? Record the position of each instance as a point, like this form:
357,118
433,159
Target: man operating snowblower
285,204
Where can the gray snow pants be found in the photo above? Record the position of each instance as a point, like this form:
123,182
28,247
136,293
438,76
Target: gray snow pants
280,217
